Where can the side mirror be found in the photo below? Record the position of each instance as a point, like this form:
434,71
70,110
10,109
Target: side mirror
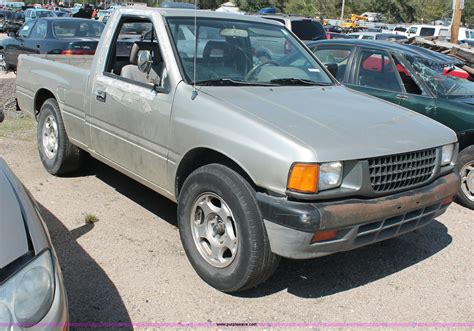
144,61
332,68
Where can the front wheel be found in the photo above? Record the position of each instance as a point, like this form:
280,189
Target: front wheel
57,154
465,167
222,230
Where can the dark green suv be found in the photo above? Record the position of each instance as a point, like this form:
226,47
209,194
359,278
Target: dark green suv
416,78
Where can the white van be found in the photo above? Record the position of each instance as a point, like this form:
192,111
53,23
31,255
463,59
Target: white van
425,30
464,33
438,31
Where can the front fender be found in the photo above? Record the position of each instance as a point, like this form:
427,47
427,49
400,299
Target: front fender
263,151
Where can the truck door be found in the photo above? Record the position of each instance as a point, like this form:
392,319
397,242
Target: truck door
130,110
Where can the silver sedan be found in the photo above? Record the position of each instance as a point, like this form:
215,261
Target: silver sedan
32,292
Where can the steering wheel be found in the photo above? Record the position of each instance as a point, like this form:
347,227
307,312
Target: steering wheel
258,66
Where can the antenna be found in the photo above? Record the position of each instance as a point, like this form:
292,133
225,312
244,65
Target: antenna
195,93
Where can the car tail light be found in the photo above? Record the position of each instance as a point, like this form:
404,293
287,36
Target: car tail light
328,35
77,52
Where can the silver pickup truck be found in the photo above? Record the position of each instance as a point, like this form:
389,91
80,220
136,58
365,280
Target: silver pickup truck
264,152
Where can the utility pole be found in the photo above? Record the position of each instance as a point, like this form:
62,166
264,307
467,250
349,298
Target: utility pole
342,10
457,8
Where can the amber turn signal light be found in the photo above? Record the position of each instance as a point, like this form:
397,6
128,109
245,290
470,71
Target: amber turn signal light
324,235
304,177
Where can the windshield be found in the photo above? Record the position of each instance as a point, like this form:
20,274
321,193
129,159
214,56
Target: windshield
77,29
250,53
44,13
432,74
308,30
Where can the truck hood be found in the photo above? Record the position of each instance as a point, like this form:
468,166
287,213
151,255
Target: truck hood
335,122
13,238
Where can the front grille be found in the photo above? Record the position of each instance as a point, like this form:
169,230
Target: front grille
396,225
394,172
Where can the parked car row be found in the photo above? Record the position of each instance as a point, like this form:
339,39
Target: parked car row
10,21
51,36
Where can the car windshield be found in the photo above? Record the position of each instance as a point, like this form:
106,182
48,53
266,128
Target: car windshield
233,52
432,73
77,29
44,13
308,30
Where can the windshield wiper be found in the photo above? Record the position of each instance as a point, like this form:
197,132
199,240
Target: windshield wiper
229,82
298,81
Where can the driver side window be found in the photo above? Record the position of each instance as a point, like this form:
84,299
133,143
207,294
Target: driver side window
136,36
25,30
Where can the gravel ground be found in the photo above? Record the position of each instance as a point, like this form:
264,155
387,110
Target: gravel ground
130,266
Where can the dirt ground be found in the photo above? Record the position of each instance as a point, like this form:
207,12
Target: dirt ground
130,266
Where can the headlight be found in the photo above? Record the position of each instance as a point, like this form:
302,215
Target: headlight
313,177
27,296
447,152
330,175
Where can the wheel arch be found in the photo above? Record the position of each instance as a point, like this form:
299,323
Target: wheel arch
466,139
41,96
201,156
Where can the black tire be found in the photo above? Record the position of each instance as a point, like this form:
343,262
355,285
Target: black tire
5,67
68,158
465,158
254,262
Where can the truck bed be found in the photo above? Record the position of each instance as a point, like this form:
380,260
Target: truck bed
80,61
65,77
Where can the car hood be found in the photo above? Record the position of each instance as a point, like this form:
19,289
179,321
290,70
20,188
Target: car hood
13,236
335,122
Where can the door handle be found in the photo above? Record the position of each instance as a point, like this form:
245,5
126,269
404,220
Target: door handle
401,97
38,46
101,96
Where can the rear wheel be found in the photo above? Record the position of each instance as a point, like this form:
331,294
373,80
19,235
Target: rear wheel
222,231
465,167
57,154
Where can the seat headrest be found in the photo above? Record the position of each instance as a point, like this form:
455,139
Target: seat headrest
216,50
145,46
